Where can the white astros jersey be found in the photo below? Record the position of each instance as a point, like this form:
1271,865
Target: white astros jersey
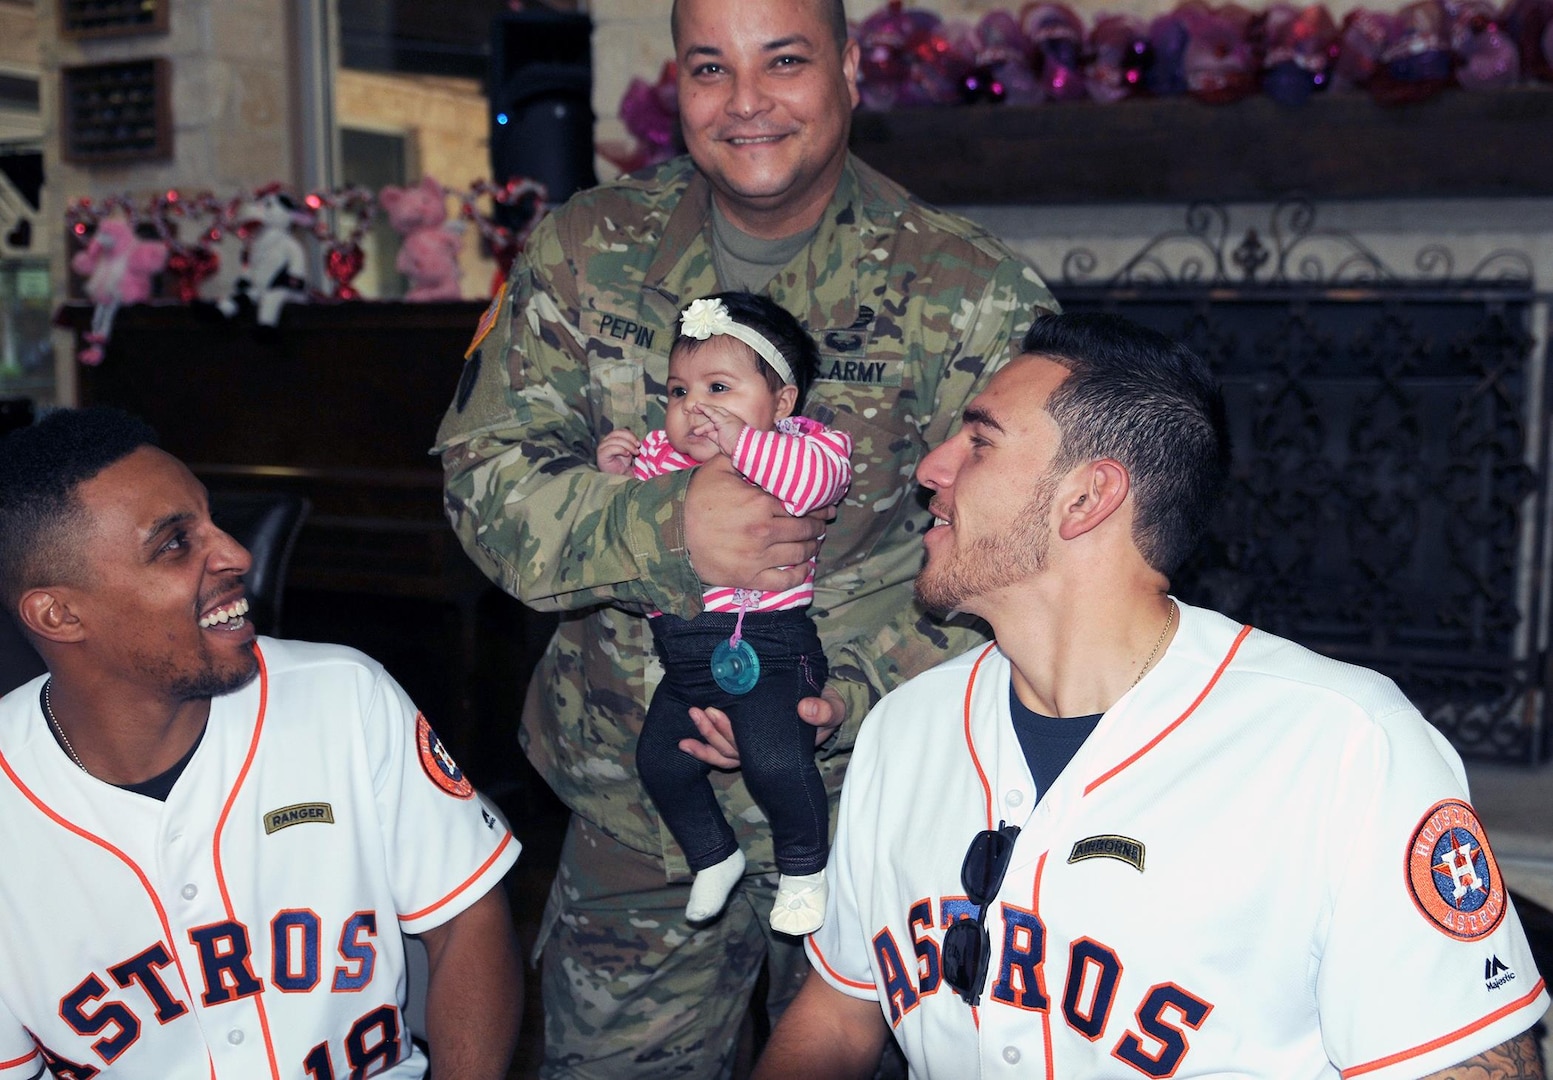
1261,864
248,927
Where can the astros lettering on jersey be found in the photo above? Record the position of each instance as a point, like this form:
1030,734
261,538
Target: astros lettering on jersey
250,925
1262,863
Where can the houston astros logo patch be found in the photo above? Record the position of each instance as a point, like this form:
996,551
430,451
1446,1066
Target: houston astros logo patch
1452,874
438,763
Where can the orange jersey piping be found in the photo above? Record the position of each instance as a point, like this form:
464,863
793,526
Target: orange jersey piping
215,846
1446,1040
1155,741
411,916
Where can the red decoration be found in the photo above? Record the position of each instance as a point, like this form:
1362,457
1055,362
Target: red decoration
522,199
650,113
342,264
521,202
343,256
190,268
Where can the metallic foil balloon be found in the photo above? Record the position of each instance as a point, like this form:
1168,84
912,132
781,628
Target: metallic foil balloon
1168,38
1360,44
886,40
1529,24
1005,52
1301,46
1120,56
1416,63
1487,57
1220,63
1057,34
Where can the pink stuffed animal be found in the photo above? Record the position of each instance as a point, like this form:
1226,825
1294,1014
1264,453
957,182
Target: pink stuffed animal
118,267
428,255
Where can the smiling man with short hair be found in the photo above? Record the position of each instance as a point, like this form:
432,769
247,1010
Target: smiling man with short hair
214,839
910,309
1131,837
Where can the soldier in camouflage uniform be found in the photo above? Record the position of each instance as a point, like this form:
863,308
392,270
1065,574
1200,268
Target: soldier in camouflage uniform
912,309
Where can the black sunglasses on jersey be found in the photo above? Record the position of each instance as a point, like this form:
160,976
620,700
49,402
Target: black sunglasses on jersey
967,946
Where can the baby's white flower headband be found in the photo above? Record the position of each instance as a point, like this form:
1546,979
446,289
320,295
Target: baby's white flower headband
707,317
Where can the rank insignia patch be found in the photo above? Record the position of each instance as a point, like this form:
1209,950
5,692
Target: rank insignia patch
1452,875
438,763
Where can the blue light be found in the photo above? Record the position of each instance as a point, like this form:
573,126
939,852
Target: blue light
501,118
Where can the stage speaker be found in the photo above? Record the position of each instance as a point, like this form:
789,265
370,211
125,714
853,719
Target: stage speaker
540,92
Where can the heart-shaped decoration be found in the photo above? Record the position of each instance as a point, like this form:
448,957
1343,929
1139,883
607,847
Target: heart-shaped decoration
342,265
189,267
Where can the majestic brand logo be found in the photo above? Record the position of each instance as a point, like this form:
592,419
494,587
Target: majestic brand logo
320,813
1122,848
1453,875
1496,973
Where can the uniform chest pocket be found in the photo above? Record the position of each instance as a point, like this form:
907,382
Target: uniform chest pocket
626,390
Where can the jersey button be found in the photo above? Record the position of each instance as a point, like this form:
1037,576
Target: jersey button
190,891
1011,1055
235,1037
1015,797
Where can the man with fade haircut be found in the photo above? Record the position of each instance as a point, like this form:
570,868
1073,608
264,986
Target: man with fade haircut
1129,837
214,840
911,309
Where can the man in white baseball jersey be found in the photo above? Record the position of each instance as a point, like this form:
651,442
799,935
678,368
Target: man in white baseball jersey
1131,838
212,842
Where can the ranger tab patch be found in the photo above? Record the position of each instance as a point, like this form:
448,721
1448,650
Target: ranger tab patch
320,813
1452,875
439,765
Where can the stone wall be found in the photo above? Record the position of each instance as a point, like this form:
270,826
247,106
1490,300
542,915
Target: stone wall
234,111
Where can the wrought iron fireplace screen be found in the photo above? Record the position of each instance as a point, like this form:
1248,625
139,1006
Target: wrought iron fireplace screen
1388,499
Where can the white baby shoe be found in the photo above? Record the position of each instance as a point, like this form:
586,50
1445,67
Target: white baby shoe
800,904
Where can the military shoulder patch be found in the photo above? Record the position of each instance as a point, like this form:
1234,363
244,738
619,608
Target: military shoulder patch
488,319
1452,874
439,765
467,379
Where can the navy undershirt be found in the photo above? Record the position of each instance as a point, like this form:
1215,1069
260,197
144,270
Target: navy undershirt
159,786
1049,742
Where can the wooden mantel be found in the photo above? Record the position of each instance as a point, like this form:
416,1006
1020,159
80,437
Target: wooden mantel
1484,145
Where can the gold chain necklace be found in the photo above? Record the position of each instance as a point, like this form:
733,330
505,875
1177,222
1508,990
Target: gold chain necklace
1169,620
48,707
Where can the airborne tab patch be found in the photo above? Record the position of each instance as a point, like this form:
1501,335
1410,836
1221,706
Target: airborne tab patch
1121,848
320,813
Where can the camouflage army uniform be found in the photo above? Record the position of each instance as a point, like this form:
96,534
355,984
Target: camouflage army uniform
912,308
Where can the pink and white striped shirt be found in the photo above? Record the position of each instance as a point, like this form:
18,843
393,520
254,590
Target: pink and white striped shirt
804,463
